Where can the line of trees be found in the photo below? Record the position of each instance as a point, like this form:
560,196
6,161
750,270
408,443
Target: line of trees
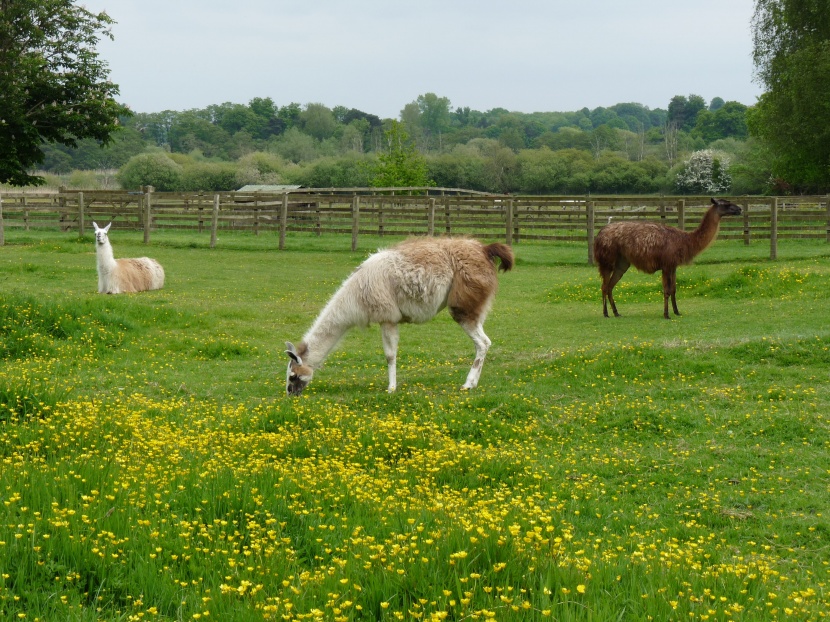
625,148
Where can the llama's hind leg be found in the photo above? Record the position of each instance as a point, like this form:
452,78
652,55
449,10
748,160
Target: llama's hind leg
606,276
620,269
482,342
389,334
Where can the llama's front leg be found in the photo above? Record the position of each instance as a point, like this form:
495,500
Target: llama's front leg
389,333
482,343
666,293
673,290
669,290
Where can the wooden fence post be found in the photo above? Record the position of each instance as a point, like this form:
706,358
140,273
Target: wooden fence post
201,213
380,218
25,214
827,207
148,216
431,218
283,219
81,214
62,203
2,232
773,230
256,213
517,223
508,221
681,214
747,233
214,223
355,220
589,217
447,223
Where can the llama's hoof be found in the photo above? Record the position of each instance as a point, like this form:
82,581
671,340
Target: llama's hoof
391,389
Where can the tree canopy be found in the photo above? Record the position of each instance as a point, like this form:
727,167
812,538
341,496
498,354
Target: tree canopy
792,61
54,87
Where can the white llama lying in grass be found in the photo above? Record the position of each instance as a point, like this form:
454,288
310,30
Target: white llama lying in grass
123,276
410,282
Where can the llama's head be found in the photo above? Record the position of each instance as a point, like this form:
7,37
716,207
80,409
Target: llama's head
101,234
298,375
726,208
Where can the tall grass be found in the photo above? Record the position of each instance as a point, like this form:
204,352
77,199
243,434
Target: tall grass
605,469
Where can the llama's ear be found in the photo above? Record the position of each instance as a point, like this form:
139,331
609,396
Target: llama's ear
107,228
714,201
95,224
291,351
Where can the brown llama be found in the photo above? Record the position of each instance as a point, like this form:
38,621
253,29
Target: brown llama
651,246
409,282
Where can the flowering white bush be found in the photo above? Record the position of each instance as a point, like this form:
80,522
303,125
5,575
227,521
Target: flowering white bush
705,171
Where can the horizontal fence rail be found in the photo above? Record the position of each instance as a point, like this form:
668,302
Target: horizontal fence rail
407,212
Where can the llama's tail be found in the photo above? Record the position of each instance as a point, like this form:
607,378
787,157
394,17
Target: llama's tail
503,252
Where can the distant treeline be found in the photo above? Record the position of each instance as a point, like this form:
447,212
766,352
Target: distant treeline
625,148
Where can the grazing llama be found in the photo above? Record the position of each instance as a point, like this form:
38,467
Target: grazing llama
409,282
123,276
651,246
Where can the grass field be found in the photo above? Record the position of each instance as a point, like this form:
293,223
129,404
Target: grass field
604,469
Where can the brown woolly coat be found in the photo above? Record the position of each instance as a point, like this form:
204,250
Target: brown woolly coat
649,246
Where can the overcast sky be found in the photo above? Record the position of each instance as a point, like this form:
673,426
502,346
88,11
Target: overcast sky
379,55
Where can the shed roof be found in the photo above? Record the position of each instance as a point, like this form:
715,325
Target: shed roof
268,188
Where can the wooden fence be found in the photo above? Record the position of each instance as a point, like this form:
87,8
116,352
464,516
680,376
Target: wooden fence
361,212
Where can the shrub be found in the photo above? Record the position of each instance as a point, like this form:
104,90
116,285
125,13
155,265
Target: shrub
259,167
614,174
706,171
544,171
83,179
208,176
463,167
401,164
151,169
342,172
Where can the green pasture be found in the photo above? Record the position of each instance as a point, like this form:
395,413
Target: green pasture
604,469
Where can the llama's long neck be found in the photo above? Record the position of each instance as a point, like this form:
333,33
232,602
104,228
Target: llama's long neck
105,257
705,233
338,316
